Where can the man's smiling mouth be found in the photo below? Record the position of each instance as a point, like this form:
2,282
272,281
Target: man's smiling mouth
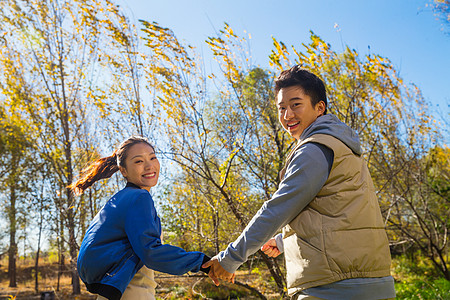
292,124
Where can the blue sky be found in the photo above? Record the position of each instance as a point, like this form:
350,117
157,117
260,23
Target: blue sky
405,31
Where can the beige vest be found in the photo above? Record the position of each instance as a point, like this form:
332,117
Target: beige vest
340,234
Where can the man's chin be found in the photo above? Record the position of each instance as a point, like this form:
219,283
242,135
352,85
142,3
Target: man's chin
295,135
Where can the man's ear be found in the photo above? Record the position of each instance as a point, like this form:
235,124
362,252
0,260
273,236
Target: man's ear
123,171
321,107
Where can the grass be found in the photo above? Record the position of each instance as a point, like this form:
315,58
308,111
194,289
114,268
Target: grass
47,281
438,289
415,278
169,287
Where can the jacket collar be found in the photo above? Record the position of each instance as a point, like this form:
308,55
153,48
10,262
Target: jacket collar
129,184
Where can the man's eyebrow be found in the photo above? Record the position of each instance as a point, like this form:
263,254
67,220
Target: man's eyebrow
291,99
295,98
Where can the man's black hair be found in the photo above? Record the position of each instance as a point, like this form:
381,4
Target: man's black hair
312,85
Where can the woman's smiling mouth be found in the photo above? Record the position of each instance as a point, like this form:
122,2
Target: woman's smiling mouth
149,175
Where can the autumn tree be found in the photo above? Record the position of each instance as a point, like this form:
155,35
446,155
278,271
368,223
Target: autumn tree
421,207
17,166
441,9
231,134
206,135
396,130
50,51
126,101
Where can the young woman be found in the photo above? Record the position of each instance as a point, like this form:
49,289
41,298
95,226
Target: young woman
122,246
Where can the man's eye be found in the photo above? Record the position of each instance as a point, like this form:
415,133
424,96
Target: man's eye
281,108
138,161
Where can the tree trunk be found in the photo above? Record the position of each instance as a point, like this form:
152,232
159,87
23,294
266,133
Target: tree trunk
61,269
83,215
73,249
275,271
252,289
92,205
216,231
272,265
12,252
36,265
60,248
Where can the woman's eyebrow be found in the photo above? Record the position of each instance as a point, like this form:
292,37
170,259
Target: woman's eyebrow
141,155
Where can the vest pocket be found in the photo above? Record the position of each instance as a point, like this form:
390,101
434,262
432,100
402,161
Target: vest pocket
305,262
302,243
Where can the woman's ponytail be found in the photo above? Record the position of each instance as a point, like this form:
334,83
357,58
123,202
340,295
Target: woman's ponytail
101,168
105,167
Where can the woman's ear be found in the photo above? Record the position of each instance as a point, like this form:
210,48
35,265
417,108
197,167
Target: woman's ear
123,171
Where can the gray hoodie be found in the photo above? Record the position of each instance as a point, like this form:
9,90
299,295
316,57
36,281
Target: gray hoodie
305,176
331,125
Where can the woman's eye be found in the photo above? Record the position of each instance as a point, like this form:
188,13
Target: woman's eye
154,157
138,161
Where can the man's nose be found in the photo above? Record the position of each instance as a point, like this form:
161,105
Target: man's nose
288,114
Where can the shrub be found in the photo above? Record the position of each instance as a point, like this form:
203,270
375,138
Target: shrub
416,278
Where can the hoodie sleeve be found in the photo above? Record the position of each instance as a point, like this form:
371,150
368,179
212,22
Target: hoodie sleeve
305,176
143,228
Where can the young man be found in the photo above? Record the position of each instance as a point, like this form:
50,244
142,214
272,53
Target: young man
333,234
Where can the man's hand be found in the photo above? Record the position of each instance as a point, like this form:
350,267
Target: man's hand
270,248
217,271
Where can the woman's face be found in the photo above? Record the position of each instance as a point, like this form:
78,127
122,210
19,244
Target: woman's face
141,166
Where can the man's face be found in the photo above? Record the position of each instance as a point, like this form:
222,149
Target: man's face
295,110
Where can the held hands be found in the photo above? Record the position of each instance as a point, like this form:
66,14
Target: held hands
217,271
270,248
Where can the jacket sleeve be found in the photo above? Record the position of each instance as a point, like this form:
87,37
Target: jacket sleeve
143,229
305,176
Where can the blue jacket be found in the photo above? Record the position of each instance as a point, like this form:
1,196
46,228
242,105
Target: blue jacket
124,236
